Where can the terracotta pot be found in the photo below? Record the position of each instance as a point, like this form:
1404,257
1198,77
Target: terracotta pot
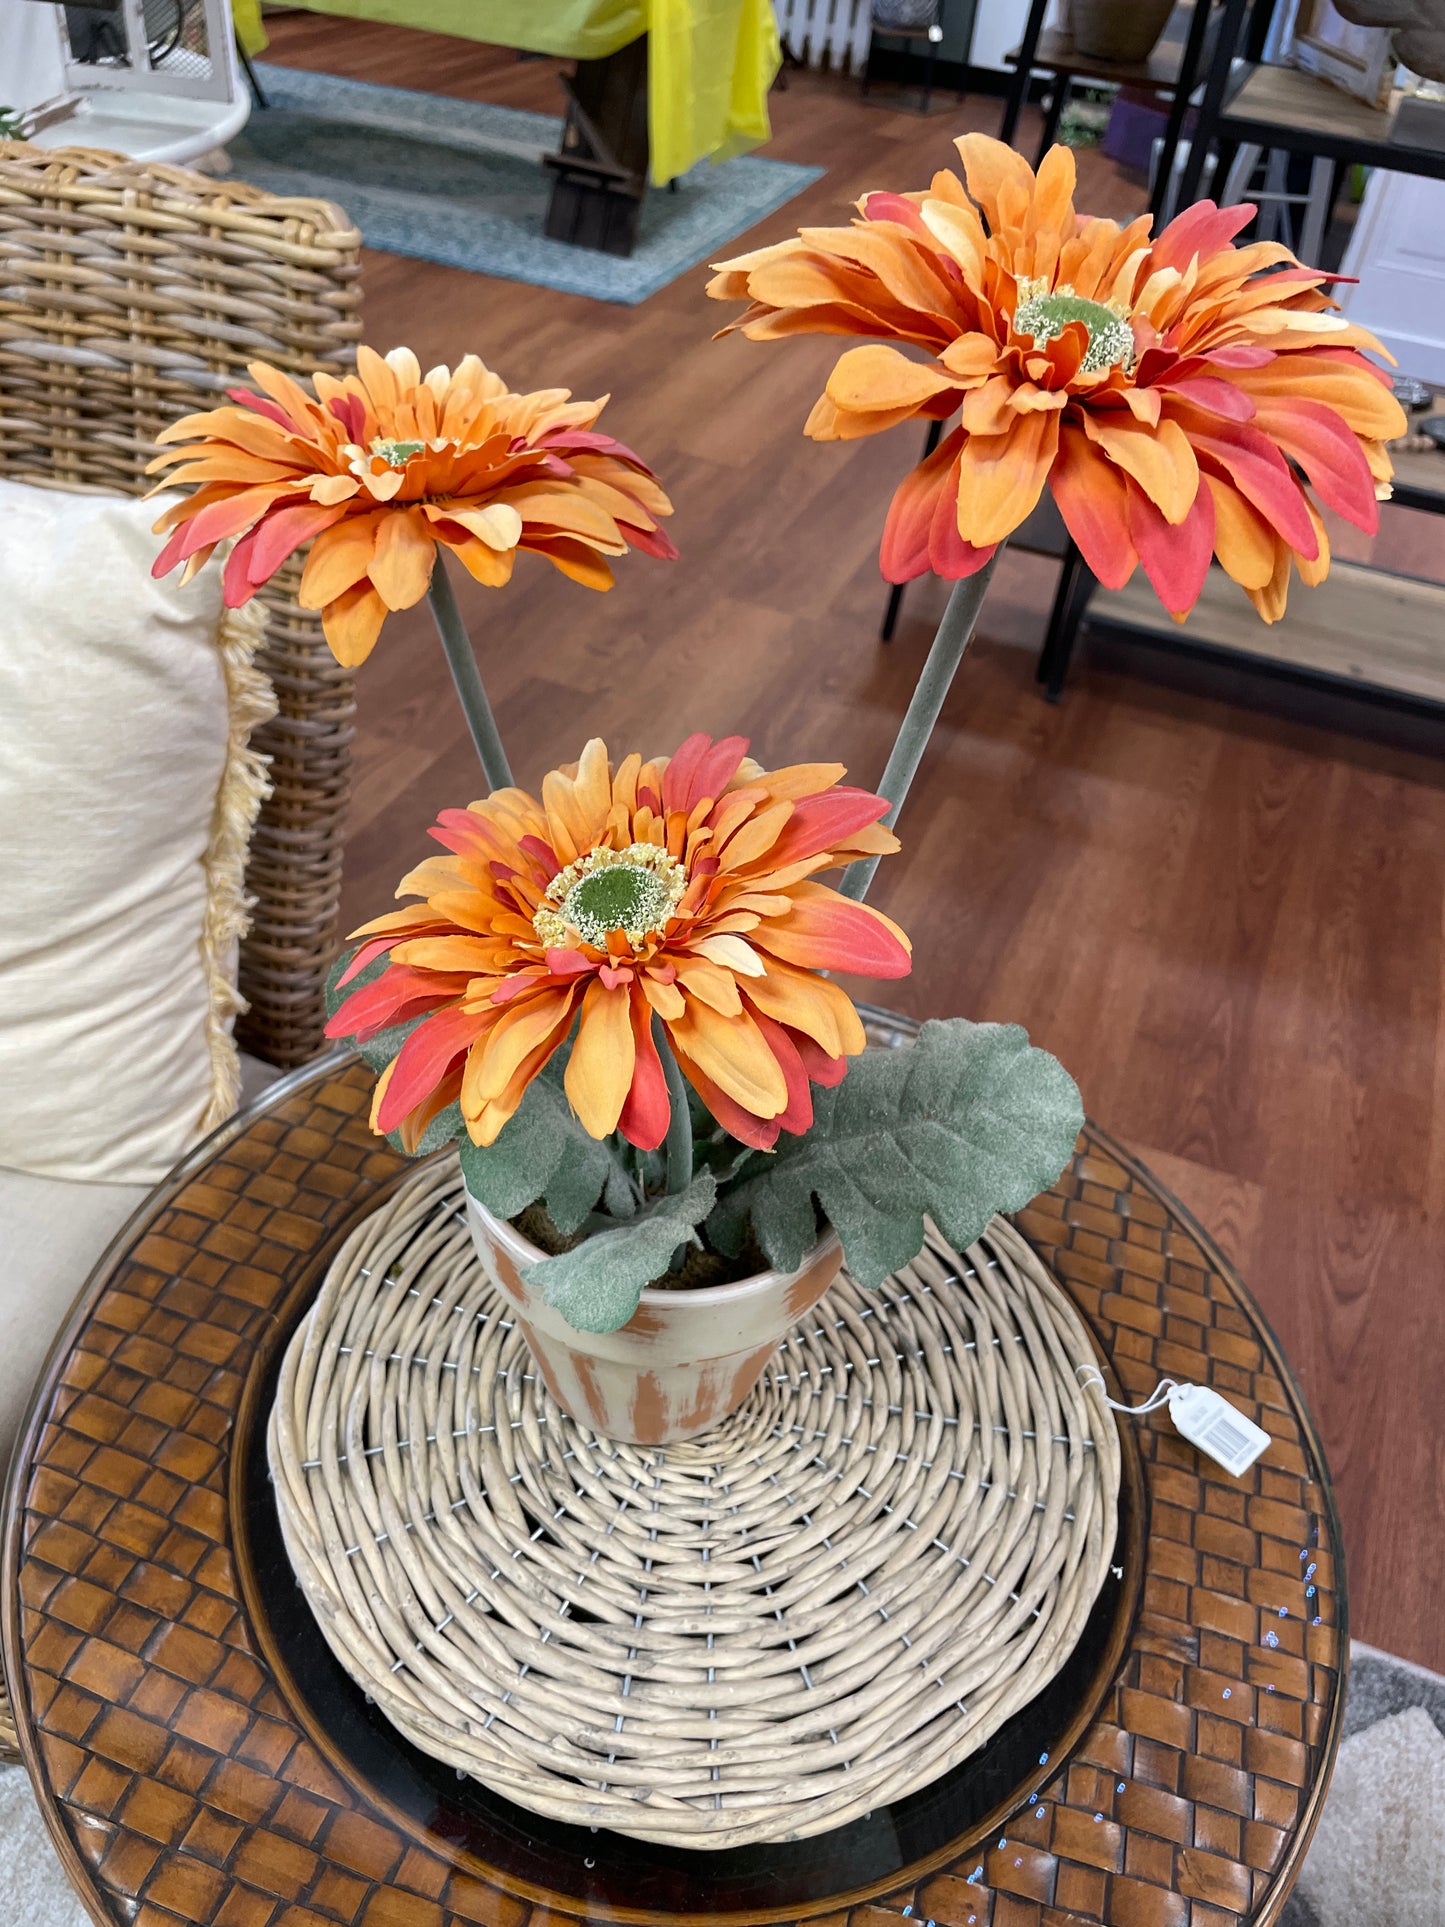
683,1361
1123,30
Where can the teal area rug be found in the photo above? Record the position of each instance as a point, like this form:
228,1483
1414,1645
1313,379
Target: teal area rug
461,182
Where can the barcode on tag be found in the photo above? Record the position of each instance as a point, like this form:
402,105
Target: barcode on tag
1214,1425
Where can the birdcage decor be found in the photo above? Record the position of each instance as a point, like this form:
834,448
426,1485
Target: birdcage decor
180,47
906,16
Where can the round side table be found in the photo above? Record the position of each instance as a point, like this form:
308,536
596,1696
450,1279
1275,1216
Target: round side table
198,1764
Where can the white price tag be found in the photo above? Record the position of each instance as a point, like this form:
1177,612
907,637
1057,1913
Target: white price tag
1216,1427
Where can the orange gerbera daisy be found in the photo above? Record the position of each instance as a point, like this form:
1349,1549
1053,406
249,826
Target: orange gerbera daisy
681,888
1178,399
380,466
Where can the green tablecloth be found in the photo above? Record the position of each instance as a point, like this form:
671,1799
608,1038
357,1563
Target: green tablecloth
710,62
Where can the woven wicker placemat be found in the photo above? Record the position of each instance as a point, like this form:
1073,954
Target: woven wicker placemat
756,1635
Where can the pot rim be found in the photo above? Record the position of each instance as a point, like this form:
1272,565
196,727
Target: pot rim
699,1294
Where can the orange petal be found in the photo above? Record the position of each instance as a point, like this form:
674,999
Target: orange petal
1160,459
1002,476
1243,540
405,553
1092,497
990,168
339,558
352,624
826,931
814,1005
734,1054
877,379
599,1071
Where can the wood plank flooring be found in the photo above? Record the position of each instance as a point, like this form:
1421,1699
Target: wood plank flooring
1223,913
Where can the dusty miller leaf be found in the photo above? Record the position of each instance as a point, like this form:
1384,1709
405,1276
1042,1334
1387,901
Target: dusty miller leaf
597,1285
967,1121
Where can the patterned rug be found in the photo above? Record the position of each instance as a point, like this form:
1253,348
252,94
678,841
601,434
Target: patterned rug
461,182
1377,1860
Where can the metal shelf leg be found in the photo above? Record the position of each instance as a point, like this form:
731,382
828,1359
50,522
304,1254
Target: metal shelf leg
1071,599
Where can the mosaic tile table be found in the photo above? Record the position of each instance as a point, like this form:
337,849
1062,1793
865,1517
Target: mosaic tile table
201,1759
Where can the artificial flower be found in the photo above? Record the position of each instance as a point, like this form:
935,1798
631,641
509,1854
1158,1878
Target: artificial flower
683,889
379,467
1181,397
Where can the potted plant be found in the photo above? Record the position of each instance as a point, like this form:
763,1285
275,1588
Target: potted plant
615,996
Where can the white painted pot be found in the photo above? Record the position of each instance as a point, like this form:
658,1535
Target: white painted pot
681,1364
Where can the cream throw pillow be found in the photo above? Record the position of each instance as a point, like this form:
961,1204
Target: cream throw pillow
127,794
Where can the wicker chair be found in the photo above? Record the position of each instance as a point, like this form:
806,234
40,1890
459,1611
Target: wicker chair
131,294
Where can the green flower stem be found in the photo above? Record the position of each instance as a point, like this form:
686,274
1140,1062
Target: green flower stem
462,661
953,637
679,1129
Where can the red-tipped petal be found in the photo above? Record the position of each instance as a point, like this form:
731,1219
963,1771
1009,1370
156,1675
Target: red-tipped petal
170,555
682,766
1202,229
237,588
283,532
651,541
760,1132
821,823
1261,474
1175,557
260,406
1329,453
647,1110
715,770
424,1060
821,1068
1092,497
350,411
898,208
1214,396
798,1117
399,992
825,931
906,533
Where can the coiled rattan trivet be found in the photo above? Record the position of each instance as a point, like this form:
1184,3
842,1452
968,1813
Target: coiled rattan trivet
756,1635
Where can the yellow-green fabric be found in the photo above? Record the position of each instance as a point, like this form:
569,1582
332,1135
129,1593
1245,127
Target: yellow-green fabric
249,31
710,63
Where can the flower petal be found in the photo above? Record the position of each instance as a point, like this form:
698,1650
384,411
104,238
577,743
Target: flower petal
604,1053
405,555
1093,498
648,1110
352,624
1001,477
1175,558
826,931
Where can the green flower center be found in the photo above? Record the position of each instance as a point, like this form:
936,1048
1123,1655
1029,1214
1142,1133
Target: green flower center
396,454
634,890
1111,339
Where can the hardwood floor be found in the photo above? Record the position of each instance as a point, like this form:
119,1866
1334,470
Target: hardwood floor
1219,903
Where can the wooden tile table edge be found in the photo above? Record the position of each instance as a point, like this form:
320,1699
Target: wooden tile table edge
149,1519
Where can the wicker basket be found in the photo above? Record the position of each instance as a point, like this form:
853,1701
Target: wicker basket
131,294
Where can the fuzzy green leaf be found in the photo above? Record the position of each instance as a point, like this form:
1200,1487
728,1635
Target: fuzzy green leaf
597,1285
967,1121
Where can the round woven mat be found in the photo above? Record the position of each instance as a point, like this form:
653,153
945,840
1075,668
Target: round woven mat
757,1635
